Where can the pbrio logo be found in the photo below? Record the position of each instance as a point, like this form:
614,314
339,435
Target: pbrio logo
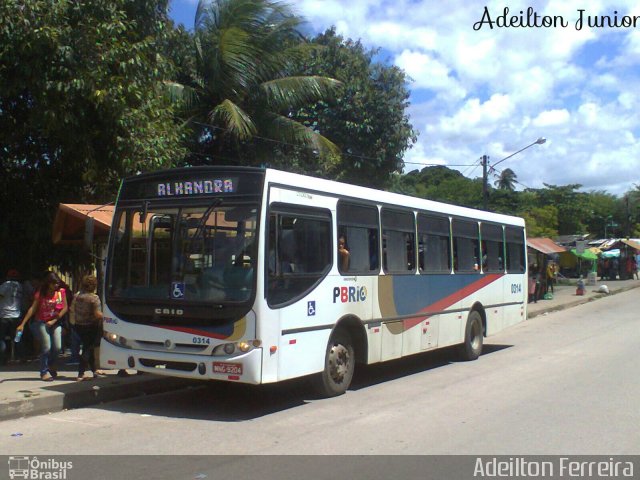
349,294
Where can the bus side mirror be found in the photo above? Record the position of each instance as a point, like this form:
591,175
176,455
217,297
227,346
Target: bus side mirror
88,233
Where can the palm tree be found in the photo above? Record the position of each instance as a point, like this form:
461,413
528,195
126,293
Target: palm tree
506,180
242,89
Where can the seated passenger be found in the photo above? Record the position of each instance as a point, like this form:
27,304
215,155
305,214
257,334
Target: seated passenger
343,253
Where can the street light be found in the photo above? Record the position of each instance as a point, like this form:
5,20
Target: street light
485,159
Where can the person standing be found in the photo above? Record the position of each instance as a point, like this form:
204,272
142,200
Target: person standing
551,276
10,305
47,310
87,322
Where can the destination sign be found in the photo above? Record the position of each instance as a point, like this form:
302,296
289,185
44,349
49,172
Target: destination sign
193,182
196,187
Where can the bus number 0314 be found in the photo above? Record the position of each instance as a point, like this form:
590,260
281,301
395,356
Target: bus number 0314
516,288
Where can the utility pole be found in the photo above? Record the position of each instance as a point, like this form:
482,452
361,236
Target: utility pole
628,229
485,187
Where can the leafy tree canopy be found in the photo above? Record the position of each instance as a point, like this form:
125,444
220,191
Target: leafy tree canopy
241,85
368,119
79,108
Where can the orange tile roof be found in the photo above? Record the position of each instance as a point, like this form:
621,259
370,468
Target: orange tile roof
545,245
69,222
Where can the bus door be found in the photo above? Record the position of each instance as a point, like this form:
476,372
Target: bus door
299,259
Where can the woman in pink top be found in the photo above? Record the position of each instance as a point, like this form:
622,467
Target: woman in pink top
48,307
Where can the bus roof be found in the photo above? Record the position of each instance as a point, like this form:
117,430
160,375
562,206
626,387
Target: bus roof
319,185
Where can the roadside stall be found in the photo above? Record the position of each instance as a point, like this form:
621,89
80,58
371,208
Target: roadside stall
574,263
619,260
543,263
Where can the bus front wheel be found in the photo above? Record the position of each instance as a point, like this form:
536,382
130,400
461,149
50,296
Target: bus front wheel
473,337
339,365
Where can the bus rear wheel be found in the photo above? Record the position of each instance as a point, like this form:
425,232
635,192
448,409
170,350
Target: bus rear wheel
339,365
473,337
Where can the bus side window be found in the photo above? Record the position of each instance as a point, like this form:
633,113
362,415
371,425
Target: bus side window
492,248
358,225
398,233
466,248
299,252
514,237
434,237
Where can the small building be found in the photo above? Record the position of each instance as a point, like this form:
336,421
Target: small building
69,229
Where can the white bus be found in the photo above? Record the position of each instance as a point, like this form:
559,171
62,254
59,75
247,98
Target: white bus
235,274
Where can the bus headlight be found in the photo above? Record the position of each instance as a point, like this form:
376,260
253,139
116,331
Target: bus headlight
116,339
241,347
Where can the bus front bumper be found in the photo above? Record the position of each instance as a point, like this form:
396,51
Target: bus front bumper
244,368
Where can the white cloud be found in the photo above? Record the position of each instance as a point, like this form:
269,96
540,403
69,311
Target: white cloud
396,36
430,73
476,118
551,118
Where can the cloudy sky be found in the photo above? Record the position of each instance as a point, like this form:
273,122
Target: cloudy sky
482,88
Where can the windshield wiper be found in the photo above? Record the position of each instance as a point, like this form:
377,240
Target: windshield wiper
205,217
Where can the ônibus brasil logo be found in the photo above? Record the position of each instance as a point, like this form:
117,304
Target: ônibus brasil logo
34,468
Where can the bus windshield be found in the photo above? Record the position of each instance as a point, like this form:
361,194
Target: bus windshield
194,253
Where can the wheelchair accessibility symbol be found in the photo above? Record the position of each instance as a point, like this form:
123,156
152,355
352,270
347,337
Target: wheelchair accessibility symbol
177,290
311,308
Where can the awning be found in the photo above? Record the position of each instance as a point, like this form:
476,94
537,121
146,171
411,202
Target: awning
632,244
545,245
68,225
586,255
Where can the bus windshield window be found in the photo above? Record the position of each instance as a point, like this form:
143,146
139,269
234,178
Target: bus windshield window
195,253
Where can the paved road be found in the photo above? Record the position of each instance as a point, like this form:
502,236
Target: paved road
564,383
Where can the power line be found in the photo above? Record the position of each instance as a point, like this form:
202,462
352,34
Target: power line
472,169
438,164
280,142
353,155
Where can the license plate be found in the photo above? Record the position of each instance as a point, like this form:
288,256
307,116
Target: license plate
227,368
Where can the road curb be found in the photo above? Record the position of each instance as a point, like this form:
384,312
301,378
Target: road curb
582,301
67,396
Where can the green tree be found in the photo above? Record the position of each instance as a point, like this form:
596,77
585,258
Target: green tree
441,184
541,221
506,180
368,120
241,89
79,108
601,207
573,206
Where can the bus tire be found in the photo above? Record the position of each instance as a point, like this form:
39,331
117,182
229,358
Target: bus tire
473,337
339,365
